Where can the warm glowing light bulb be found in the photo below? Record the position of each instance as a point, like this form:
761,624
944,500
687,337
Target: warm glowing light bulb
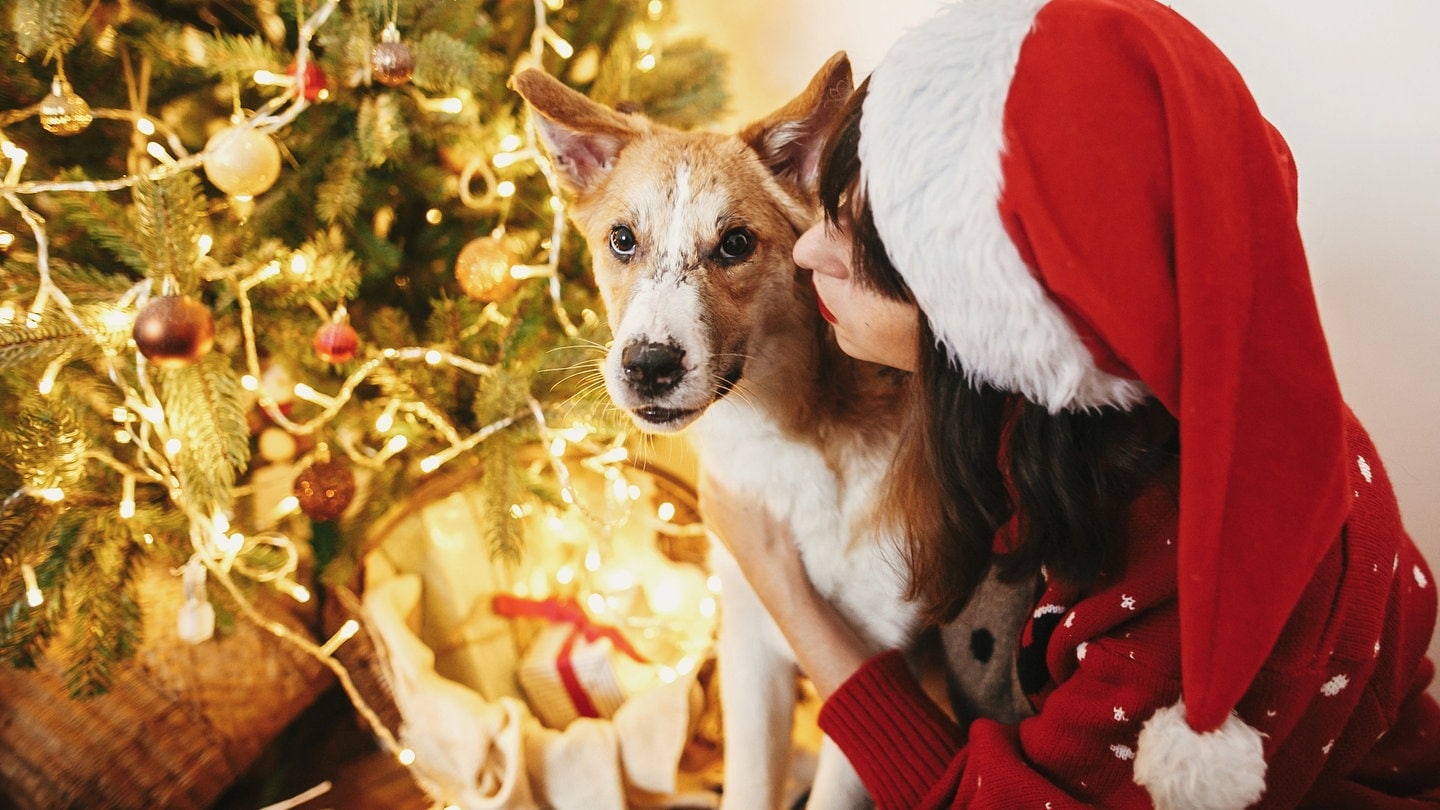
406,757
145,126
429,464
511,142
666,511
505,189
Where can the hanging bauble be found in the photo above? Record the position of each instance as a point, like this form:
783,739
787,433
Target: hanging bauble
173,331
276,445
391,61
64,112
325,489
483,268
316,82
336,341
241,162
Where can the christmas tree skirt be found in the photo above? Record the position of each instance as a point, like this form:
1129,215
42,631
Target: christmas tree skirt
180,723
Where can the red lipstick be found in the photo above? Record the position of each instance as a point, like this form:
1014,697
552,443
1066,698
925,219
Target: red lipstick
824,310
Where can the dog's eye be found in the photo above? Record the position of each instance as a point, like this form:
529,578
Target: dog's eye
736,244
622,242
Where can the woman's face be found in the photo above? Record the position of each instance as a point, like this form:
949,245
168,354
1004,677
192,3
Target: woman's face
868,325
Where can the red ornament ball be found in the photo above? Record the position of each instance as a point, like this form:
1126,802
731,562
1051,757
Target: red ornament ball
316,82
325,489
173,331
336,342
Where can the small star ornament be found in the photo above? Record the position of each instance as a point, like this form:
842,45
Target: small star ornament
392,63
64,112
173,331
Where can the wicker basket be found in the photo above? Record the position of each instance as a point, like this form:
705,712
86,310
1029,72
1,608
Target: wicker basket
180,724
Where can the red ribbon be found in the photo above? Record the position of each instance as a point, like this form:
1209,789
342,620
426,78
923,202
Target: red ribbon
567,611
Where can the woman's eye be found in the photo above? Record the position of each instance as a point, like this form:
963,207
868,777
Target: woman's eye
622,242
736,244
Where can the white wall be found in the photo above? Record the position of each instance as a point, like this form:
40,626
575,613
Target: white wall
1355,89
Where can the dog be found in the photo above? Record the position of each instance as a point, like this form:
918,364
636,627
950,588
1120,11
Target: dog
717,332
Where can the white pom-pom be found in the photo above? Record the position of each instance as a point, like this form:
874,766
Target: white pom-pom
1222,769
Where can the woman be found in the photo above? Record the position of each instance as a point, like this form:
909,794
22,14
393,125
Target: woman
1069,220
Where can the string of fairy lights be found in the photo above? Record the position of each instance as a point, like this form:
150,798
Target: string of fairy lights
221,549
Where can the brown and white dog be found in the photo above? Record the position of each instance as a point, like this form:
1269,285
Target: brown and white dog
717,331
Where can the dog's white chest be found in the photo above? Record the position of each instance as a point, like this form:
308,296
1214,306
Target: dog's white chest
857,569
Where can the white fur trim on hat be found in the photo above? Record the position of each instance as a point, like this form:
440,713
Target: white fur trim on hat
1222,769
930,146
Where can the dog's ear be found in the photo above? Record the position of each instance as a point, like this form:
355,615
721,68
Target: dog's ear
582,136
789,140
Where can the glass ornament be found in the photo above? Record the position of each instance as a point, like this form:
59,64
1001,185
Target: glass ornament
241,162
64,112
392,62
173,331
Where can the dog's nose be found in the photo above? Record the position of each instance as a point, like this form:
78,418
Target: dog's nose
653,368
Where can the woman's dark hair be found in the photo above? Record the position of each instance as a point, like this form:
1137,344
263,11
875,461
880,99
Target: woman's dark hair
974,461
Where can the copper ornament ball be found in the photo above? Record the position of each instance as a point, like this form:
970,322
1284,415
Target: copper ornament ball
336,342
392,62
173,331
325,489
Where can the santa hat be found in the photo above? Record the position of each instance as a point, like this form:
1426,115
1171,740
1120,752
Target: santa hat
1090,210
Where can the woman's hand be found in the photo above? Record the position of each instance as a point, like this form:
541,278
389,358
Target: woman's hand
763,547
826,647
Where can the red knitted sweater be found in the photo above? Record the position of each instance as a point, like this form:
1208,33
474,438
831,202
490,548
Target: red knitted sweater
1341,700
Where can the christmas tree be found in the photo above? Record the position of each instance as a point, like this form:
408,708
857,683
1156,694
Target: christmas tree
314,239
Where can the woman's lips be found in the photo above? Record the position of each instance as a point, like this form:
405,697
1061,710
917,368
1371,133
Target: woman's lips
824,310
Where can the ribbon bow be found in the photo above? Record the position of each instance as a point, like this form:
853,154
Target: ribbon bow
567,611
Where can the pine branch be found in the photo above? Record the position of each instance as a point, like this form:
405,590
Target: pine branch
47,25
45,446
444,64
168,214
339,197
25,531
503,531
104,621
105,222
202,404
380,131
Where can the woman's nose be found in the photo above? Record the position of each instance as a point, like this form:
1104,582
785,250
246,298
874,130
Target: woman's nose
821,250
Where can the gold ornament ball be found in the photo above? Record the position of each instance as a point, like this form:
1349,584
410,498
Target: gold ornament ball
173,331
276,445
64,112
392,62
325,489
241,162
483,269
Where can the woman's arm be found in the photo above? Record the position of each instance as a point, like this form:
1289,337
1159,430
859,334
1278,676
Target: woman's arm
826,647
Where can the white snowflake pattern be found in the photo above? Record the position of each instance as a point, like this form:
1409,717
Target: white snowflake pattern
1122,751
1080,651
1120,715
1048,608
1395,566
1420,578
1377,648
1070,620
1326,748
1270,712
1127,601
1334,686
1364,468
